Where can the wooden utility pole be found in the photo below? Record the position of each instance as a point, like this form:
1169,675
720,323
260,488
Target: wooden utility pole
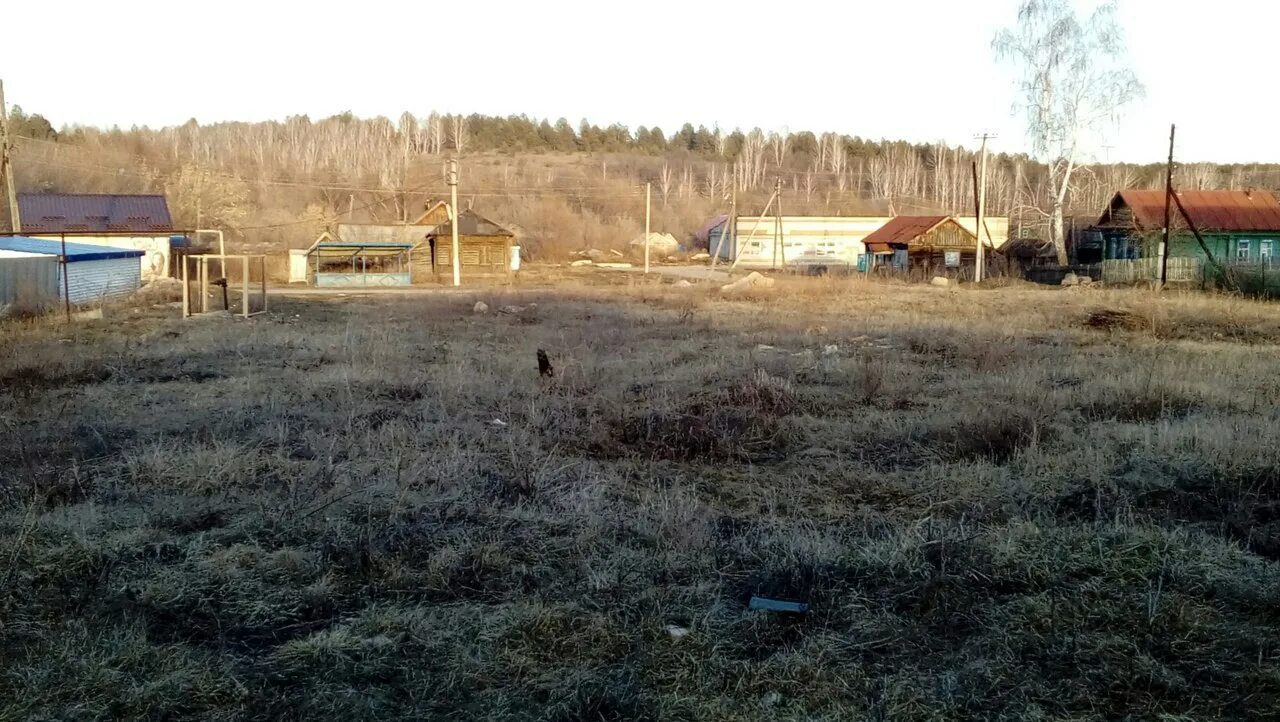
979,260
6,163
453,211
1168,212
740,247
777,223
647,190
729,226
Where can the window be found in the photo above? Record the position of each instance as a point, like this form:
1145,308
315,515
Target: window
1242,249
1266,250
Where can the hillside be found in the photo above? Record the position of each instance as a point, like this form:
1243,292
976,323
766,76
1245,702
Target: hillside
277,184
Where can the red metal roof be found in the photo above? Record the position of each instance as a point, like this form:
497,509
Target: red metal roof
93,213
1210,210
902,229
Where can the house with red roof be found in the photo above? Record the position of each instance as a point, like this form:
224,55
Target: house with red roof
138,222
1238,226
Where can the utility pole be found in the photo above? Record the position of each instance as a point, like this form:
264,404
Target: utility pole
1168,199
453,211
777,224
6,162
979,260
729,226
647,189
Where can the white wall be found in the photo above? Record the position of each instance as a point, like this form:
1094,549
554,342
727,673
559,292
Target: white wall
829,239
155,264
298,265
806,239
94,281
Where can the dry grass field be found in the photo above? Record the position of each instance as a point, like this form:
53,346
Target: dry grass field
1000,504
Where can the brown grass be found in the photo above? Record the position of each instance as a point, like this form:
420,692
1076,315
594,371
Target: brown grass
376,509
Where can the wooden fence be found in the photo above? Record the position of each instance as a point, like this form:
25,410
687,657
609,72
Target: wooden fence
1142,270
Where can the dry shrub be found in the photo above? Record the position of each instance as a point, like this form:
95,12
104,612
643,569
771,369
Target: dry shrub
1146,405
745,421
996,434
1109,319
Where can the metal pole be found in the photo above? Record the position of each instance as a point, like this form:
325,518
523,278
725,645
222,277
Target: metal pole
66,284
1168,212
454,254
647,187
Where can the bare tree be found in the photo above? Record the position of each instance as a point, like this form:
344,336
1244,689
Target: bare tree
664,182
1073,80
779,143
459,133
435,133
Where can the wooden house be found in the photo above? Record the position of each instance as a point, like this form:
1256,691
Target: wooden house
485,248
1237,226
931,245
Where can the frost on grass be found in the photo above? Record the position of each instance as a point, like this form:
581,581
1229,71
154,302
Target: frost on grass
994,509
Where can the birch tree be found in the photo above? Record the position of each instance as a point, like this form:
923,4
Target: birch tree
1073,81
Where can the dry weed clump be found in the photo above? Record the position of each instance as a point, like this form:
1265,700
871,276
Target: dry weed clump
377,509
747,420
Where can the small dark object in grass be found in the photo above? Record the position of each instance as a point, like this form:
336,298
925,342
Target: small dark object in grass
544,365
777,605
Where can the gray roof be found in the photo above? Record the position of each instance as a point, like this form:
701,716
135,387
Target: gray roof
94,213
375,233
471,223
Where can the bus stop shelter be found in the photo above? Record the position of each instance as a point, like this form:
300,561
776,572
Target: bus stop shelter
338,263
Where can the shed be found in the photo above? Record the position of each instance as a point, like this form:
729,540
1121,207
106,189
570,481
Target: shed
339,262
1028,253
1238,226
415,234
141,222
28,280
484,247
94,273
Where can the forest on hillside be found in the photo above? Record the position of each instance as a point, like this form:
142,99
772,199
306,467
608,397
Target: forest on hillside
280,183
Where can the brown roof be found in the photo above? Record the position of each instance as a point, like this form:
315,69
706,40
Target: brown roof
1210,210
901,230
93,213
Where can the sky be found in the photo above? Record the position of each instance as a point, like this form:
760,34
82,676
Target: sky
916,70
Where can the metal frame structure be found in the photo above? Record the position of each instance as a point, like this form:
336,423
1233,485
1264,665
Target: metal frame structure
201,262
327,248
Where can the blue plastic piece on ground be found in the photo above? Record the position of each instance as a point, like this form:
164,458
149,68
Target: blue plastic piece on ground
777,605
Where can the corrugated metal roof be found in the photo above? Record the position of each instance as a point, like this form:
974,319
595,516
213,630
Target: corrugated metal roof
903,229
75,251
471,223
94,213
1242,211
381,233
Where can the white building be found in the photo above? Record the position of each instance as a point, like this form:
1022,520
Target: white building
140,222
94,273
816,240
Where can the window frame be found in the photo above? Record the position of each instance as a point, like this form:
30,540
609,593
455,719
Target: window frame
1243,249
